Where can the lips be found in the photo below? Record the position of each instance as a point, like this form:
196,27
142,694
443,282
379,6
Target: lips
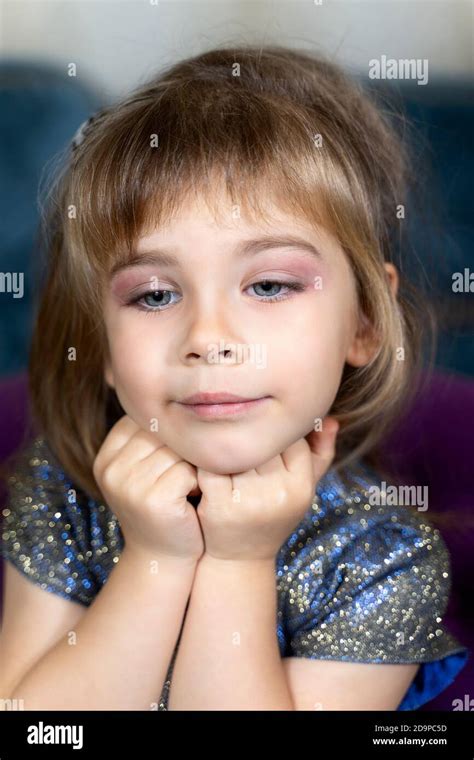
216,398
227,405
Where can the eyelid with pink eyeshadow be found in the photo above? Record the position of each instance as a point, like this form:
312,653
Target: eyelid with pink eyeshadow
125,284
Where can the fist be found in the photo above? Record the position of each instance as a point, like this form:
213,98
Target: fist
249,515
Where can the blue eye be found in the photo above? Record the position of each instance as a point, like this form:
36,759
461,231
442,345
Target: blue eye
152,301
295,286
159,300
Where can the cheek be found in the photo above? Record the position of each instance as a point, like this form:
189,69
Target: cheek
315,368
312,341
306,358
136,360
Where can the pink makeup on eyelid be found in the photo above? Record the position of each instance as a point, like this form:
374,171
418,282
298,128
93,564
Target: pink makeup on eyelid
127,281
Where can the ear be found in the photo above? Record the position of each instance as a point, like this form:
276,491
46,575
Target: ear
393,278
365,342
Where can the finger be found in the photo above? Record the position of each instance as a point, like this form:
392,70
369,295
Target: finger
140,446
271,467
294,455
151,467
323,445
178,480
117,437
127,434
214,487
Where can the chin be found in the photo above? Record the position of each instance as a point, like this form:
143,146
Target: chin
221,465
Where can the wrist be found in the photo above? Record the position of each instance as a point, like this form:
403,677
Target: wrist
157,561
234,564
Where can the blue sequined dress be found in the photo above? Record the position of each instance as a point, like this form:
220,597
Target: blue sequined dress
355,582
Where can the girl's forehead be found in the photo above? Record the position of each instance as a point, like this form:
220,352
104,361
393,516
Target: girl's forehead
219,219
195,238
227,220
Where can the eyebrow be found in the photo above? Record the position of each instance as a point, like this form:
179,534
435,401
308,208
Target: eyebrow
245,249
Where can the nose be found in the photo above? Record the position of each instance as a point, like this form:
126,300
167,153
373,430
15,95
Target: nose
211,334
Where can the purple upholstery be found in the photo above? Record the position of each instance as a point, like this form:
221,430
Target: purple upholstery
13,413
433,445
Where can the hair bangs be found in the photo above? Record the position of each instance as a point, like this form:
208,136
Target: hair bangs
140,167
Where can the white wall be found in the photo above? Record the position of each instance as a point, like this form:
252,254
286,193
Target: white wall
117,45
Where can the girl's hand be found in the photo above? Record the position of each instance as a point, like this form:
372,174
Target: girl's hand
248,516
145,484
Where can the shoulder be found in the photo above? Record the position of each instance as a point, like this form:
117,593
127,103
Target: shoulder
364,580
348,521
52,531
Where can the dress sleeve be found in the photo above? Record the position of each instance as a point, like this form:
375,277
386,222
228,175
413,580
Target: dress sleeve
45,526
379,598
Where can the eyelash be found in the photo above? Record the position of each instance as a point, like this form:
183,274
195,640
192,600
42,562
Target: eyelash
292,286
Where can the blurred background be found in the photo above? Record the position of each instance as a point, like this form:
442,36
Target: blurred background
63,59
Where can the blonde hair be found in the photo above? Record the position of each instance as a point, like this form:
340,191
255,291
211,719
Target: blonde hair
248,117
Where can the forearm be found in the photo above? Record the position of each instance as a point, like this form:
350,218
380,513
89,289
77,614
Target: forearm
228,657
119,657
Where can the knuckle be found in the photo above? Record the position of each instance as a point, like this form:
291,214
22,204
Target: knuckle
108,477
182,469
186,467
134,487
279,497
148,502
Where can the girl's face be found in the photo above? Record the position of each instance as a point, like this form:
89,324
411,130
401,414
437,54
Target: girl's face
265,312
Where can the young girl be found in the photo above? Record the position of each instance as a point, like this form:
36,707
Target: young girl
223,339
